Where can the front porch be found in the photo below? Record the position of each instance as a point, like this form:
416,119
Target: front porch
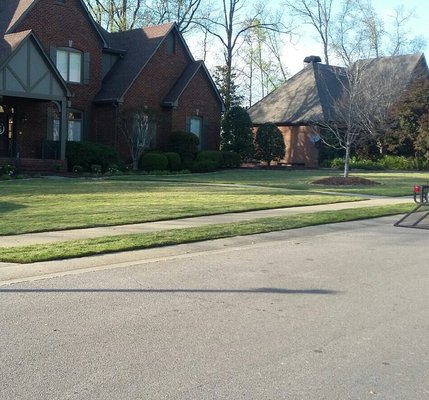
33,107
35,165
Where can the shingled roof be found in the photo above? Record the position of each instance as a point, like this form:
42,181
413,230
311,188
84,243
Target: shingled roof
310,95
12,11
10,43
138,45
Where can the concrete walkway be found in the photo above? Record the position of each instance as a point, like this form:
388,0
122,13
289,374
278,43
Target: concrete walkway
73,234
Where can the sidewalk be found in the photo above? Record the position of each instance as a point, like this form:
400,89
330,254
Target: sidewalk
74,234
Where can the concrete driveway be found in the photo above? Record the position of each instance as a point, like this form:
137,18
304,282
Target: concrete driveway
330,312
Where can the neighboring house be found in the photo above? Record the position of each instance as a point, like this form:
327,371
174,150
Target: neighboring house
307,100
63,78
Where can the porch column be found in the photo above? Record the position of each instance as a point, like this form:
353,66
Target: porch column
63,130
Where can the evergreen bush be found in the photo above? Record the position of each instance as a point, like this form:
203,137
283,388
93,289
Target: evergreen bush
87,154
184,143
154,162
174,161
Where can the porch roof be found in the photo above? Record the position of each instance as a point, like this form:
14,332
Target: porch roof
27,71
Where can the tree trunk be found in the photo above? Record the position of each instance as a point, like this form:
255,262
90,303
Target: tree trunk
135,164
347,161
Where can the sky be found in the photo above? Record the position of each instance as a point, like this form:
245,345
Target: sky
307,44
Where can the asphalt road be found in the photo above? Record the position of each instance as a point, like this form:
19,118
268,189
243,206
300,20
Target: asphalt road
332,312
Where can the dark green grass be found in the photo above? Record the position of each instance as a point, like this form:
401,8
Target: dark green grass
37,205
112,244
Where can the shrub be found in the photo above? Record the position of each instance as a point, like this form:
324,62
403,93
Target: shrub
184,143
174,161
87,154
96,169
77,169
230,159
269,143
398,162
203,166
211,155
8,170
154,162
237,133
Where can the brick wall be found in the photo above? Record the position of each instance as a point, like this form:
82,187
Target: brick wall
56,24
300,150
199,99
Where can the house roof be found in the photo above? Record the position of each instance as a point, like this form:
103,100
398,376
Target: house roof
13,11
172,98
139,45
301,99
310,95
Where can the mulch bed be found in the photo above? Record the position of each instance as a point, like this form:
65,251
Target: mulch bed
341,181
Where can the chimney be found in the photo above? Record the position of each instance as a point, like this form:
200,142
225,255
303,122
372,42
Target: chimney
312,59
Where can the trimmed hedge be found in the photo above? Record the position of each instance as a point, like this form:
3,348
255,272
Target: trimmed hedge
203,166
86,154
154,162
186,144
222,159
386,162
174,161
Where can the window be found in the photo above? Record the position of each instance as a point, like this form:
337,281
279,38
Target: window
74,126
69,64
196,127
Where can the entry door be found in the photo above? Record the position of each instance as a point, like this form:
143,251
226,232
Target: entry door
4,135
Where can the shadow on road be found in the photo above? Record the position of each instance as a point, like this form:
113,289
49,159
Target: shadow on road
256,290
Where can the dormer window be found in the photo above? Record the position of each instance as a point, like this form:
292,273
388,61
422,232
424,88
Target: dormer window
69,64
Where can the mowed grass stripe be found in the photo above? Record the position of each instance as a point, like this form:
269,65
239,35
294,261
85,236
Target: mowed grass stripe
112,244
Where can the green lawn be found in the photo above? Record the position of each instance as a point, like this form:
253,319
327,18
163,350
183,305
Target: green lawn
53,204
111,244
391,183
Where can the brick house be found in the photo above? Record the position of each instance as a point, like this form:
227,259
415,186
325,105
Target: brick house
63,78
306,102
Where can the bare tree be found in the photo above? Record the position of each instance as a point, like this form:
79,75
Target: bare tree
358,32
116,15
230,29
183,12
138,126
316,13
360,108
263,68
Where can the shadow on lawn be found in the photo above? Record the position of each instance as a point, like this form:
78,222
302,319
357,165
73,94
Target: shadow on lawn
6,207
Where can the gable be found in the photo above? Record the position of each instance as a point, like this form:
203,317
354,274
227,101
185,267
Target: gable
139,48
13,16
28,72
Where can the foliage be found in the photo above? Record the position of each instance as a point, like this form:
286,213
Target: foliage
237,133
225,81
206,165
211,155
230,159
138,126
86,154
174,161
411,129
8,170
185,144
269,143
392,162
154,162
